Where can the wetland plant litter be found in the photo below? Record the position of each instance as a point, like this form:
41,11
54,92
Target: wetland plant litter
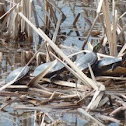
75,55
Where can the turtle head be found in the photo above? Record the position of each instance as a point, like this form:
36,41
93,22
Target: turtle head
124,59
97,47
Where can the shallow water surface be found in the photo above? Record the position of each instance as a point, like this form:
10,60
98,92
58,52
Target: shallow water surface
29,118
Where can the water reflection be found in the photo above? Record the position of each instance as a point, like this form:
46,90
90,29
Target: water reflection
71,119
16,119
20,118
53,116
114,124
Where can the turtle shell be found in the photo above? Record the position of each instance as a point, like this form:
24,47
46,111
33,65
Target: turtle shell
43,66
83,60
107,62
14,73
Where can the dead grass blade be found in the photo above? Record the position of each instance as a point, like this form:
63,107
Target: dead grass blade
122,50
1,57
57,28
70,84
88,115
95,100
43,92
122,108
39,77
97,16
122,31
87,81
75,74
105,10
10,83
8,12
90,32
103,117
114,22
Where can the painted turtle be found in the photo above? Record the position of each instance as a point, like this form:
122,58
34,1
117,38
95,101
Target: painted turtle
118,71
43,66
109,63
14,73
81,62
91,58
59,67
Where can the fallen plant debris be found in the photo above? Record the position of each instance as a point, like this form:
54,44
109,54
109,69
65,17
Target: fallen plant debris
62,58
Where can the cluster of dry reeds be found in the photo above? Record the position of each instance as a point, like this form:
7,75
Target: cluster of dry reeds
100,93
